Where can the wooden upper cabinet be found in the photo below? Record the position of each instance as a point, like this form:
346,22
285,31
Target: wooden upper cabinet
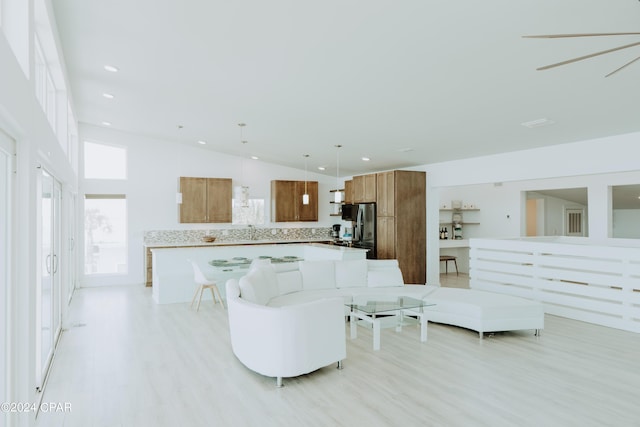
348,191
286,201
307,212
205,200
219,200
364,188
386,193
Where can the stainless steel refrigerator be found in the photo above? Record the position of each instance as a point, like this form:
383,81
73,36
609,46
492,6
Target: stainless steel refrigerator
364,228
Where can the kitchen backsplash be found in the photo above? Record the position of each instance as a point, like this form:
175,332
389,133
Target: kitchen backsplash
165,237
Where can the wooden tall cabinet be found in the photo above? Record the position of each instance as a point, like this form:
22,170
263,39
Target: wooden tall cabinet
286,201
205,200
401,222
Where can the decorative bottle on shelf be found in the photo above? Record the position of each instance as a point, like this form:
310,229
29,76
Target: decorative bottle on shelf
446,233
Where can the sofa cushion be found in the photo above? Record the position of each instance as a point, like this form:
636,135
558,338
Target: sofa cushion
289,281
307,296
384,277
351,274
413,291
285,266
483,305
318,275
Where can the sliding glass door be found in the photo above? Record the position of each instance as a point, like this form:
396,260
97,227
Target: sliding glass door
49,318
6,185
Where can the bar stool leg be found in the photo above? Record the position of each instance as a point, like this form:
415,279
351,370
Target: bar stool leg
200,297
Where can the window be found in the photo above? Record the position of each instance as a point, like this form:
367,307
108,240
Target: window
50,107
249,213
105,228
40,74
103,161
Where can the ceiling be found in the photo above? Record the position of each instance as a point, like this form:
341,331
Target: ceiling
403,83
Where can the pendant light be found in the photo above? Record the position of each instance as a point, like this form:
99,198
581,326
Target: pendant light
337,196
242,191
305,196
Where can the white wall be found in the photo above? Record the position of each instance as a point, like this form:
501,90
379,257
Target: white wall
22,118
154,168
497,184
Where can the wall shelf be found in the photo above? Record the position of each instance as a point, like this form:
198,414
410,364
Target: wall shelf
463,223
337,206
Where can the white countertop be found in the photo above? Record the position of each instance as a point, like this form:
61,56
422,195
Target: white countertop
463,243
319,244
198,243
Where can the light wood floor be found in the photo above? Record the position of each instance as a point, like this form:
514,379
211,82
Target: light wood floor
125,361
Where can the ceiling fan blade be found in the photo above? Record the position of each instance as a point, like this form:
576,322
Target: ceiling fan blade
560,36
624,66
569,61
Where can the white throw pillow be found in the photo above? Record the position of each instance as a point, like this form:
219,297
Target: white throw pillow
318,275
268,278
247,289
351,274
256,286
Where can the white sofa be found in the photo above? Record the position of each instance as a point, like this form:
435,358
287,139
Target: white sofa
294,283
287,319
285,341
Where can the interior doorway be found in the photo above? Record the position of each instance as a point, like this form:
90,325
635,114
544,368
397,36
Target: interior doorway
574,222
535,217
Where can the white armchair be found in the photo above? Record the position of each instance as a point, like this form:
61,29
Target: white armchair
286,341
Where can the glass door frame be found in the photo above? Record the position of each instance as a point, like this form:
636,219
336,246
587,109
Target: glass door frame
48,290
7,166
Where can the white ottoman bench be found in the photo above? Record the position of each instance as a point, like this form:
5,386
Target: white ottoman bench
484,311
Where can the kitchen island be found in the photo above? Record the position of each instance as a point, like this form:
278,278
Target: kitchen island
172,275
172,244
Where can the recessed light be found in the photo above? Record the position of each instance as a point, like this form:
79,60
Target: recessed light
365,159
201,142
108,95
321,168
111,68
537,123
255,157
106,123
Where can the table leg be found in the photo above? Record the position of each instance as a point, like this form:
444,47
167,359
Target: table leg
422,318
354,325
423,327
376,333
399,320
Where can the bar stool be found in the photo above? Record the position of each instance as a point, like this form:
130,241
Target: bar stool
204,283
446,259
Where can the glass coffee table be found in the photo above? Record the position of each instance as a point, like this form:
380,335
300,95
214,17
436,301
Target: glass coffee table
384,310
